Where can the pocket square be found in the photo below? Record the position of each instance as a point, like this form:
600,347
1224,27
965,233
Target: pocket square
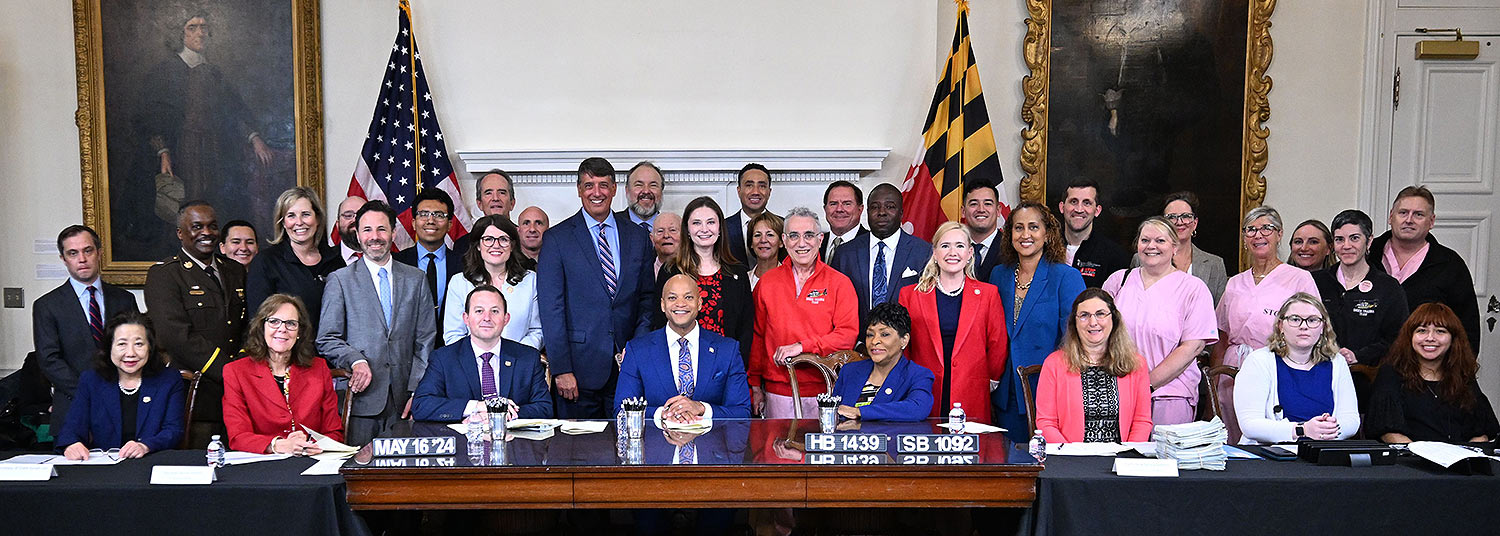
908,272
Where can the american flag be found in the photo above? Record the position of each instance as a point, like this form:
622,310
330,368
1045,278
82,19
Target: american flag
404,147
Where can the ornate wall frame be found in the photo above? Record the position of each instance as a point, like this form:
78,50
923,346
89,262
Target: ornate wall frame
1037,52
306,153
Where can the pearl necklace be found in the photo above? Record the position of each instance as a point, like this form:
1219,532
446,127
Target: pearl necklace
953,292
129,390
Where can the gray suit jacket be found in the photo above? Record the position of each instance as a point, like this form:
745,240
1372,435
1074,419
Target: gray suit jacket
352,327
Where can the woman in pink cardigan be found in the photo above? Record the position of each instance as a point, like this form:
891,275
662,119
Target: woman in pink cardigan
1096,388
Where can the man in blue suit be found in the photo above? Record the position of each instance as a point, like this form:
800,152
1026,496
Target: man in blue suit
686,373
432,216
885,259
594,288
462,375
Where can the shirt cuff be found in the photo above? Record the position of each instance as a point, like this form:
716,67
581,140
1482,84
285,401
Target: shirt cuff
365,361
472,407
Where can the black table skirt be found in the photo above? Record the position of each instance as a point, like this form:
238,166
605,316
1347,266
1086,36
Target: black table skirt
1079,495
255,499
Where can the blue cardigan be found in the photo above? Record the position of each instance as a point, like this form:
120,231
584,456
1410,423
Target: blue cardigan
1036,333
906,394
94,418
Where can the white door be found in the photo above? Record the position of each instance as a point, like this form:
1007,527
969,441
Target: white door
1446,136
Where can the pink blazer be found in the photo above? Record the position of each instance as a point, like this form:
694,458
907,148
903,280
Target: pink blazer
1059,402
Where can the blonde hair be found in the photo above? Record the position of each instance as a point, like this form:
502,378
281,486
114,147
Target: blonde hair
1120,356
1161,224
1326,347
284,204
928,280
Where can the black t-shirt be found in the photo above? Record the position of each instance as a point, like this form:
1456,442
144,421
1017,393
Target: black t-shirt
1423,416
1097,258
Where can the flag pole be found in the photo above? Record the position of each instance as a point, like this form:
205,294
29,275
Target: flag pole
411,39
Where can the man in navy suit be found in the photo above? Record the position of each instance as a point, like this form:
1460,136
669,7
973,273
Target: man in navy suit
882,261
594,287
68,323
432,216
754,189
981,213
643,192
685,372
461,376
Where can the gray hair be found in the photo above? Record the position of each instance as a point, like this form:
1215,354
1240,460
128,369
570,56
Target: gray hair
804,212
1263,211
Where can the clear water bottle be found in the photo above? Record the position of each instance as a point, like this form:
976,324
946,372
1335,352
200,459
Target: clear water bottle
215,453
1038,447
474,426
957,418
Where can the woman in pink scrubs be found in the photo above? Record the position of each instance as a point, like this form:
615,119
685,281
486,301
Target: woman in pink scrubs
1247,311
1170,315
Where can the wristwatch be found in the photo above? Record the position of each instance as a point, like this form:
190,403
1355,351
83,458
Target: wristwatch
1300,433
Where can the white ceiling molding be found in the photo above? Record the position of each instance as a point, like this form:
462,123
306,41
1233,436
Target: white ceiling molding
684,165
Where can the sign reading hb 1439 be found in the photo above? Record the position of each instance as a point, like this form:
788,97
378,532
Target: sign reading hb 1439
846,442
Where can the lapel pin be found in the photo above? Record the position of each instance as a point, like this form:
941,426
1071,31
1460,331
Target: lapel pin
976,292
187,264
887,390
145,400
507,363
710,349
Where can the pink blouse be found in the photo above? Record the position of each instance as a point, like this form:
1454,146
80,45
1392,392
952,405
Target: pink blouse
1247,311
1176,308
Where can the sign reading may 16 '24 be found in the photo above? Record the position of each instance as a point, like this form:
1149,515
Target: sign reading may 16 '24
218,100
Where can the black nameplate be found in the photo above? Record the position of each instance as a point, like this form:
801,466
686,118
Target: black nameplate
846,458
414,446
939,459
846,442
429,461
937,444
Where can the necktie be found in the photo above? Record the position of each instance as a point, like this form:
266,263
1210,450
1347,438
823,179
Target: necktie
214,275
385,295
878,280
487,378
647,226
96,320
837,241
686,454
684,369
978,253
432,289
607,261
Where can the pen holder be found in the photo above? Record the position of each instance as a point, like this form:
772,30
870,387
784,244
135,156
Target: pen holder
499,451
498,424
635,423
634,452
828,418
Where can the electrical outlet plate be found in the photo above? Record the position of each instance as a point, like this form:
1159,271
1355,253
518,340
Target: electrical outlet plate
14,298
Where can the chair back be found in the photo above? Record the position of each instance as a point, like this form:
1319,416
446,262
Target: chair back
1213,374
828,365
345,397
1367,371
192,377
1026,373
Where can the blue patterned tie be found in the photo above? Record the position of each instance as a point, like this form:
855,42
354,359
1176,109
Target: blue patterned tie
607,260
686,454
877,287
684,369
385,295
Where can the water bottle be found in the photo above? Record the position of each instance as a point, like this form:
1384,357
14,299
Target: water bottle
215,452
957,418
474,426
1038,447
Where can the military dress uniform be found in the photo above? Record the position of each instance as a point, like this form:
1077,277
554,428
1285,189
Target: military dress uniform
195,313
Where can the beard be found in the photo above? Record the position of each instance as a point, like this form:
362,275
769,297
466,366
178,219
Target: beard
642,212
348,238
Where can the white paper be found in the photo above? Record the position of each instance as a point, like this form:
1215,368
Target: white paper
240,458
182,475
1442,454
1085,449
329,444
325,467
973,428
1145,467
26,472
459,427
32,458
533,423
583,427
1146,448
95,458
696,427
534,434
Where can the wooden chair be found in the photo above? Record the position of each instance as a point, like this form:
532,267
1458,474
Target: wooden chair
1212,374
192,377
345,397
1026,373
829,365
1367,371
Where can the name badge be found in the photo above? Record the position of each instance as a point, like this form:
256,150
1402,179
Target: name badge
194,475
195,292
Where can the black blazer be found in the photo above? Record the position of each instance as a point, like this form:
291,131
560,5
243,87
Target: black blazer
1444,278
990,260
828,241
737,239
736,301
277,270
455,265
64,344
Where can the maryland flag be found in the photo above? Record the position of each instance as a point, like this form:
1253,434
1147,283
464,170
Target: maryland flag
957,145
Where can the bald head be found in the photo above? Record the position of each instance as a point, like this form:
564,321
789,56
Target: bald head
348,210
532,223
679,300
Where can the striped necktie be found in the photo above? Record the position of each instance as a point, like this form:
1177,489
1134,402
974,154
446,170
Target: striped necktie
607,261
96,320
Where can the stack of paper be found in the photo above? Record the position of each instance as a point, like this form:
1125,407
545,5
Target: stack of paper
1195,445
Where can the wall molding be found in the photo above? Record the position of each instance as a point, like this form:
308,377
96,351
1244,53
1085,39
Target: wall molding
684,165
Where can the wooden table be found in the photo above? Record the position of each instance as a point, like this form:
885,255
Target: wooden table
741,464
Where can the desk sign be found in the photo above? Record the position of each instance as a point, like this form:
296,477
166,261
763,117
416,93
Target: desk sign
415,446
846,442
939,459
183,475
27,472
846,458
937,444
426,461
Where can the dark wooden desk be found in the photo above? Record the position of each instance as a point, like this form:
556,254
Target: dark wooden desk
741,464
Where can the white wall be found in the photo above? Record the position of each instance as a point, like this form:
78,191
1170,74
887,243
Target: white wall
660,74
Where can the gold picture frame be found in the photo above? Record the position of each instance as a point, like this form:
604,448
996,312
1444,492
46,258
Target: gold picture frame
119,39
1037,105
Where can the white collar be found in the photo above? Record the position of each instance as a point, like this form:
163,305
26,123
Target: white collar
375,268
989,239
82,289
191,57
692,337
889,241
474,343
847,236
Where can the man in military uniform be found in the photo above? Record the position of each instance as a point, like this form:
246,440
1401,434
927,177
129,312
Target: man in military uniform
196,301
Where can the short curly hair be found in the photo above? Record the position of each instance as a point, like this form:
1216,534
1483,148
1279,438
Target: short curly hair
891,314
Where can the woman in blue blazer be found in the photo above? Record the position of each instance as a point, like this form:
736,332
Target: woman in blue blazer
1037,289
885,387
129,384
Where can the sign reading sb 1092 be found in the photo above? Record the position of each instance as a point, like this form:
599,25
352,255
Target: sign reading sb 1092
846,442
937,443
414,446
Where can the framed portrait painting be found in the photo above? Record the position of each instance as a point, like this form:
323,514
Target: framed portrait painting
213,100
1147,98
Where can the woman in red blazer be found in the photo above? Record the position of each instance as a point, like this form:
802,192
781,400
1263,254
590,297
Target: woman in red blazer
957,326
1096,388
273,397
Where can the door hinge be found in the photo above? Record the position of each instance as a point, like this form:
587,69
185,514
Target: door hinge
1396,91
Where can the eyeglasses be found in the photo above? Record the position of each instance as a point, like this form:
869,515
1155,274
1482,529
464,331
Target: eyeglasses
492,241
802,237
432,214
1264,230
113,454
1303,321
1181,217
276,323
1101,315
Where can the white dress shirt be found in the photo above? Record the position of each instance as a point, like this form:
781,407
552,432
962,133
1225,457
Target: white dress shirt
672,349
986,243
890,258
82,290
475,405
